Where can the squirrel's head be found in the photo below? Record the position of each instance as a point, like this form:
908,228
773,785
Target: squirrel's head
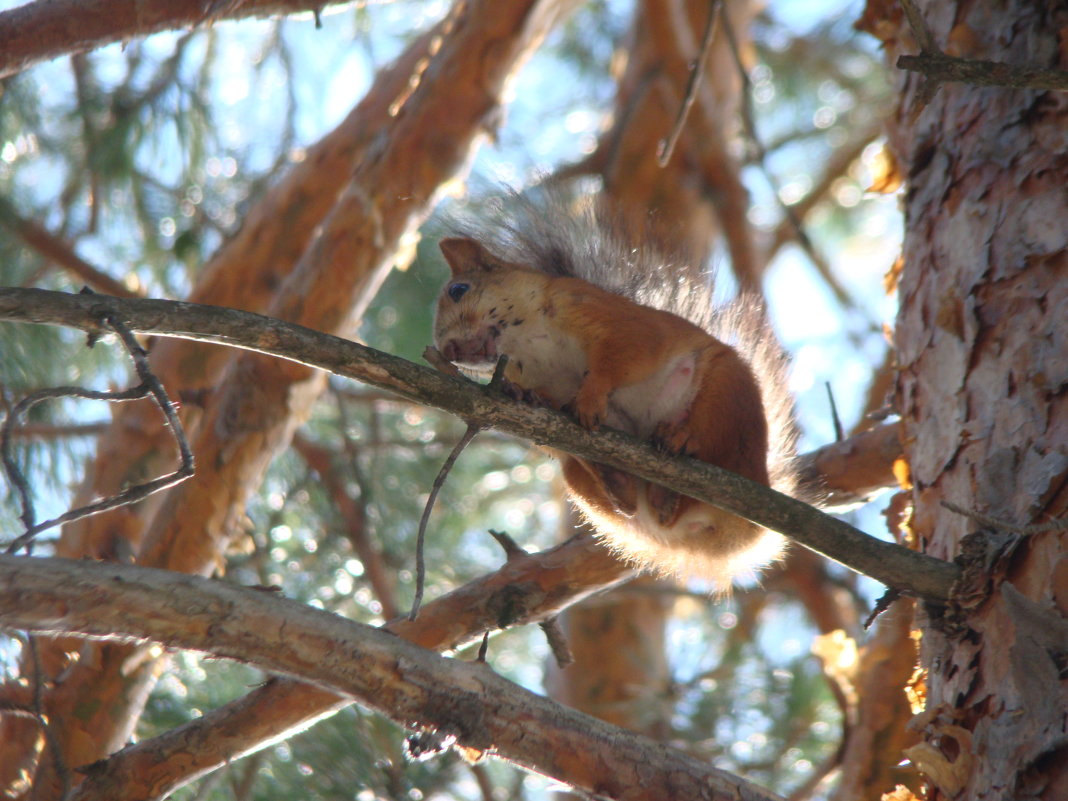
468,321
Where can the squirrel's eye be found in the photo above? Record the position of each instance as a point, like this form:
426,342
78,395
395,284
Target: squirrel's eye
457,291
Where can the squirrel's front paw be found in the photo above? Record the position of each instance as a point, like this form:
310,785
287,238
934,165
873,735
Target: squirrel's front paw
522,394
589,409
673,438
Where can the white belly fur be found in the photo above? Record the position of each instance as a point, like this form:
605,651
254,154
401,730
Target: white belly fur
663,397
549,361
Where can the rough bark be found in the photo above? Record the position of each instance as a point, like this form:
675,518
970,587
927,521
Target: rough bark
413,686
982,351
524,590
527,589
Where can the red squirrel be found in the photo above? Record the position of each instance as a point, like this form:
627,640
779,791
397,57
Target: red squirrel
560,297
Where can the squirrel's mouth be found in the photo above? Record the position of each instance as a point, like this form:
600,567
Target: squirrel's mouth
477,350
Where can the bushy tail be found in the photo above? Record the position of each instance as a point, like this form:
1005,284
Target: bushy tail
743,324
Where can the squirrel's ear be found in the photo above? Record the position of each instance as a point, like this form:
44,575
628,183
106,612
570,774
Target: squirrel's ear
465,254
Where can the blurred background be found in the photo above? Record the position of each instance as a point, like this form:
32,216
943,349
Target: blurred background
134,166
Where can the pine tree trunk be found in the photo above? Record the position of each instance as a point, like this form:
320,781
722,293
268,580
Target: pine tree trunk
982,349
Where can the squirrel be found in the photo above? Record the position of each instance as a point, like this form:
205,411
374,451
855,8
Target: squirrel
617,337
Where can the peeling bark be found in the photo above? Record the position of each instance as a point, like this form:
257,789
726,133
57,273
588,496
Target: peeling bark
982,350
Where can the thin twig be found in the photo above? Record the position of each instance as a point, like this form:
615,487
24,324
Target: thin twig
667,146
149,386
554,635
1005,525
60,764
938,68
761,156
881,605
159,394
14,475
510,546
439,482
919,28
839,434
420,540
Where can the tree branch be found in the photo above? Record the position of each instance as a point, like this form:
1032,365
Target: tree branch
892,564
465,701
849,472
528,589
940,67
56,250
46,29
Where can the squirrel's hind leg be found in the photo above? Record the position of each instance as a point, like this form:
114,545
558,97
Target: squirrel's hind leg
674,438
605,489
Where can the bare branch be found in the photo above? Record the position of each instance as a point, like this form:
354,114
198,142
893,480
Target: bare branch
919,27
528,589
667,146
850,471
420,540
892,564
413,686
790,211
940,67
46,29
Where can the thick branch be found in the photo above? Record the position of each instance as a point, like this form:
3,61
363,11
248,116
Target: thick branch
527,589
402,681
48,29
851,471
892,564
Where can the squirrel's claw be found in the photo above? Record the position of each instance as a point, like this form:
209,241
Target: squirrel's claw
673,438
586,417
523,394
